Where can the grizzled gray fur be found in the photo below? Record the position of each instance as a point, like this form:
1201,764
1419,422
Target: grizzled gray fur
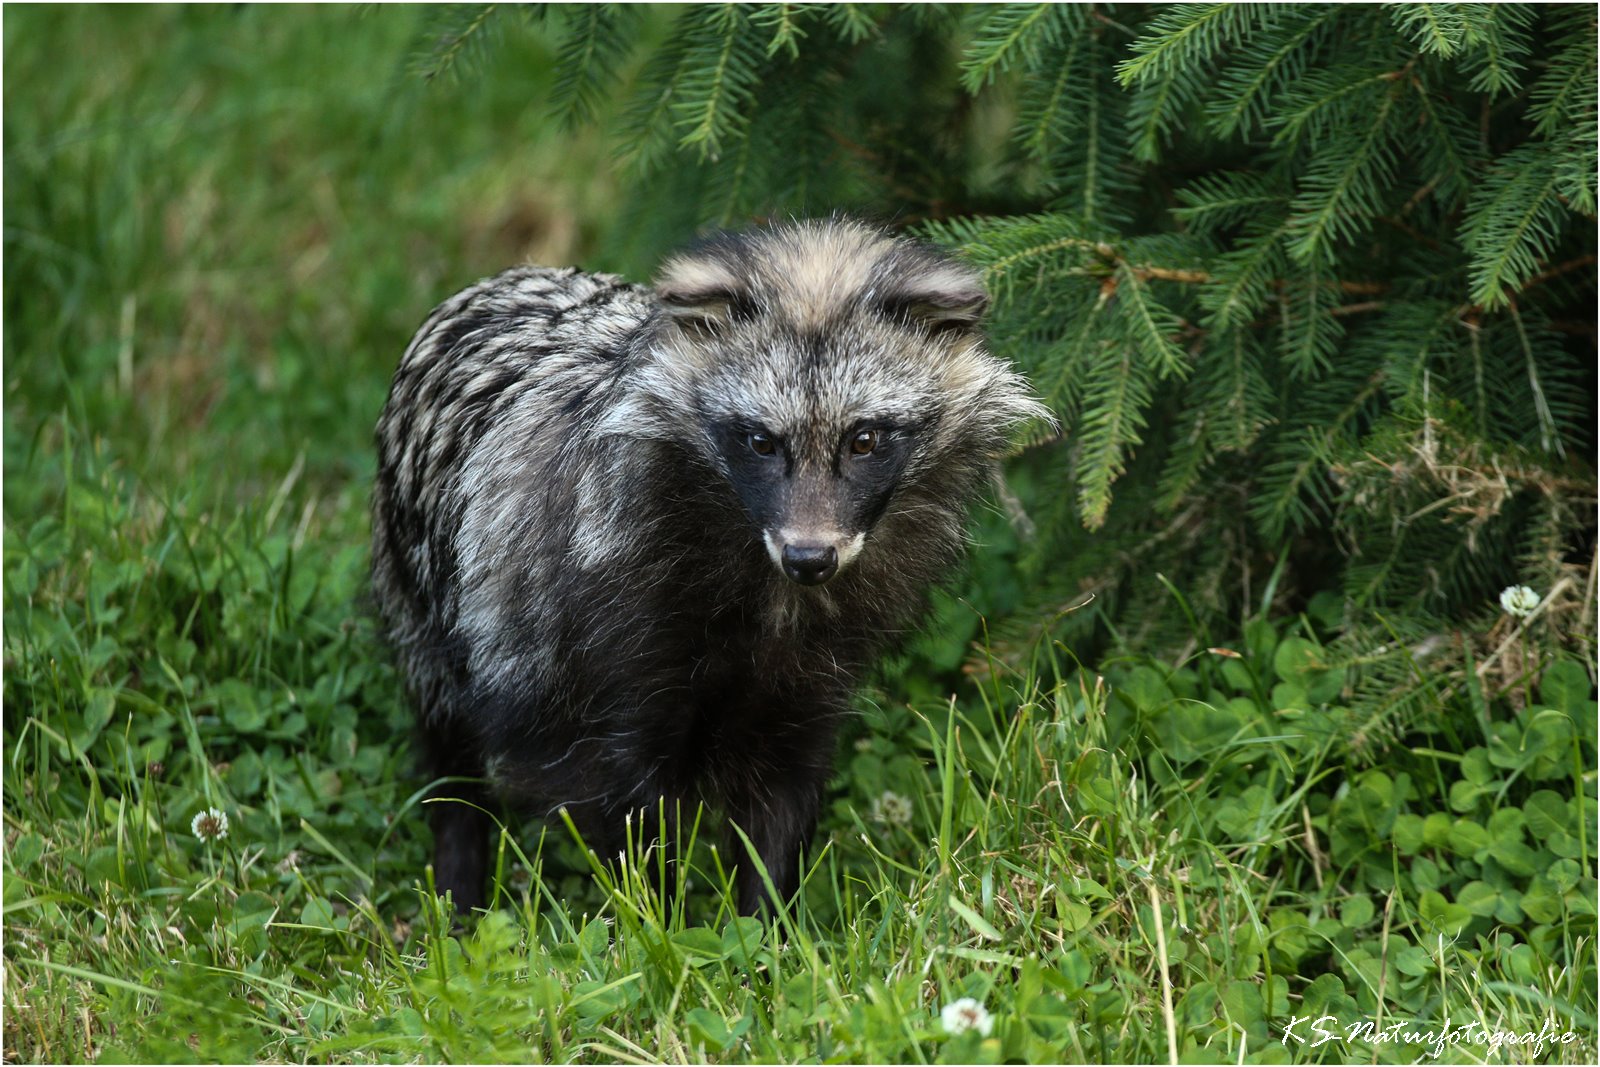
636,544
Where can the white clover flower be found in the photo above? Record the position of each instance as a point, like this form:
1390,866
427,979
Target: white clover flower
210,824
863,744
891,809
965,1014
1519,600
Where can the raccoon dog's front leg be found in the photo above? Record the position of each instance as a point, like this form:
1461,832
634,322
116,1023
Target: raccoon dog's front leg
461,827
778,815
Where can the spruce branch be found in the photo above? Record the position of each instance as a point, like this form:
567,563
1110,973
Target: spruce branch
1500,40
599,36
1438,28
1185,36
1151,326
1446,143
725,65
1114,402
1267,67
851,21
1343,189
1565,94
1550,273
1007,35
1513,220
453,35
1045,120
783,20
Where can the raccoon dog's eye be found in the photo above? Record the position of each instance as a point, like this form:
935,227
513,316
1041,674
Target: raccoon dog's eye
863,443
761,444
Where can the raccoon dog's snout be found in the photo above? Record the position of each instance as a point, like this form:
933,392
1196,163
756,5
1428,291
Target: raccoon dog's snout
812,557
571,474
810,564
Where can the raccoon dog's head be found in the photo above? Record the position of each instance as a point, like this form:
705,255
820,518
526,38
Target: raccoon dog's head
836,377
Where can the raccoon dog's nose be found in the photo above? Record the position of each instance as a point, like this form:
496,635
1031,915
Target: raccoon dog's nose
810,564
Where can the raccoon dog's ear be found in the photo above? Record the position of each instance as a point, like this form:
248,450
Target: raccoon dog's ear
941,296
700,293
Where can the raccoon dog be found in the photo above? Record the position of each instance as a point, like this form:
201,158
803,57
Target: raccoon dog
634,545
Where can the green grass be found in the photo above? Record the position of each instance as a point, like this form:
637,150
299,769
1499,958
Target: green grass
221,226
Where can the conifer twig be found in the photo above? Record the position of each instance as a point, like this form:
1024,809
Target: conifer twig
1200,277
1167,274
1561,268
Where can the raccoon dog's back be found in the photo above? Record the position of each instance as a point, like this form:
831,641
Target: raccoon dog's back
634,545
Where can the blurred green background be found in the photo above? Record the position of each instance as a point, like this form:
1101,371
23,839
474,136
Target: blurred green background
223,224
